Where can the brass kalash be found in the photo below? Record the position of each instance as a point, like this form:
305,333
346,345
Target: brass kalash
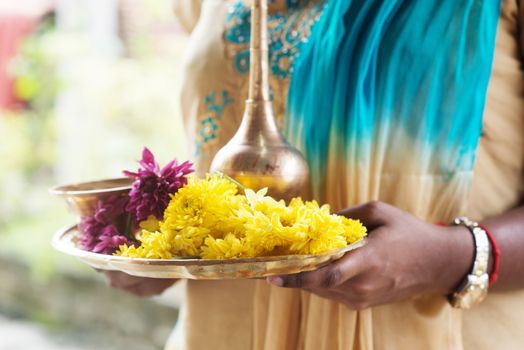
258,155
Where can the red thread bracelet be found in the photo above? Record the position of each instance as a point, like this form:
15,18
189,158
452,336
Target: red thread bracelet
496,255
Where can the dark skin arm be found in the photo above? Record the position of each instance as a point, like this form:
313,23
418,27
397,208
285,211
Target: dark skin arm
407,257
508,230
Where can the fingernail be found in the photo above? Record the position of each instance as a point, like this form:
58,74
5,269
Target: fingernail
276,281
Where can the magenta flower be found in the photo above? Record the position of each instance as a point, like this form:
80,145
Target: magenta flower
152,186
111,209
110,240
90,229
100,233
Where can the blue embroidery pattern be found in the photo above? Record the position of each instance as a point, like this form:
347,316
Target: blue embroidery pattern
217,108
208,125
208,129
287,31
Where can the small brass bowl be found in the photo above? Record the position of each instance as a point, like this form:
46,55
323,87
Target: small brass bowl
83,197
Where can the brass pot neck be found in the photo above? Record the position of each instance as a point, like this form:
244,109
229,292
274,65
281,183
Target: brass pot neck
258,123
259,77
259,119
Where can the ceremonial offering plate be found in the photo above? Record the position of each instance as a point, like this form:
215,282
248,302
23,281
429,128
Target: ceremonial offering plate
66,240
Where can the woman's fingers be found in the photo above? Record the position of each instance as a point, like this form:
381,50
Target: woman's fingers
120,280
139,286
150,288
327,277
372,214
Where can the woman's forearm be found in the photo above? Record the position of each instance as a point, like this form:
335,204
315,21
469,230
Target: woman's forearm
508,231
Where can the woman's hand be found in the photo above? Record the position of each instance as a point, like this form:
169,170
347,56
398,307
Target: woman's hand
404,257
139,286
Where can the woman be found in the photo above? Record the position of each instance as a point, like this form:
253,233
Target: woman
387,100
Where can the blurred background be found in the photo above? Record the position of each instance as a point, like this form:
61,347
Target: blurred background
84,85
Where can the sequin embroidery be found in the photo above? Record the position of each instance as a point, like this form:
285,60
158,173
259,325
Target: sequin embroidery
287,31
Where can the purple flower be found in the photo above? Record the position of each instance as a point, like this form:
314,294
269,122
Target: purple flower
100,232
90,229
109,240
152,186
111,209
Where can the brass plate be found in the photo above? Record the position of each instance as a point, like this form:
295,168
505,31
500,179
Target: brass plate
66,241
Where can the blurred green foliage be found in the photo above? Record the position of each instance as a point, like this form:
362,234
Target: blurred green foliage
114,106
27,146
87,115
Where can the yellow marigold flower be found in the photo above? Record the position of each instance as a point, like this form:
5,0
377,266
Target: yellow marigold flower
208,218
228,247
150,224
258,201
204,203
158,245
154,245
129,251
262,234
353,230
189,240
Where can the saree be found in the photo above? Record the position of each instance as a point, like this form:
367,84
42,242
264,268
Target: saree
386,103
428,161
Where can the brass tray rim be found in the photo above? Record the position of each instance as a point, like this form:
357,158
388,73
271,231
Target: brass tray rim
58,243
61,191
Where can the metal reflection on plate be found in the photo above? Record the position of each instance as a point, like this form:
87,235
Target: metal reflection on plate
66,241
258,155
